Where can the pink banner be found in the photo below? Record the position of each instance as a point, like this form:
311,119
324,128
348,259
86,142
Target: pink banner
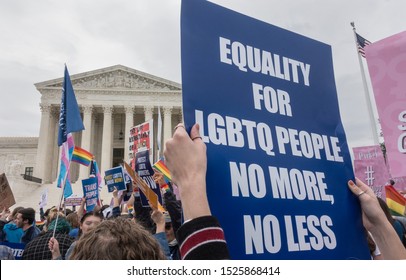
387,67
400,184
370,167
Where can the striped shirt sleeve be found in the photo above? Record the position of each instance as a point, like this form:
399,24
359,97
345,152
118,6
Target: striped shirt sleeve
202,239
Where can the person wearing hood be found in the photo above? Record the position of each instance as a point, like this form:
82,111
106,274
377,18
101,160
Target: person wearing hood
11,232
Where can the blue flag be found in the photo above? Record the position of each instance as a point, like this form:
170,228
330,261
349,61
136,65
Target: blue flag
69,118
94,170
69,121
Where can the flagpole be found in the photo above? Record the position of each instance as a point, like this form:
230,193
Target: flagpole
373,127
60,201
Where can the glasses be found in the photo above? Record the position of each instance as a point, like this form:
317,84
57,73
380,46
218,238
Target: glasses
168,226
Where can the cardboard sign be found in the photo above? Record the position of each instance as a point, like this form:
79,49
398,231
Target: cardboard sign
6,194
145,189
144,169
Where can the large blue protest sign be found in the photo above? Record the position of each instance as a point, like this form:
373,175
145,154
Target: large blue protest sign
18,249
144,169
114,177
278,161
90,192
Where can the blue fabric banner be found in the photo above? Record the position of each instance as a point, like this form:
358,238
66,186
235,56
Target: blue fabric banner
278,160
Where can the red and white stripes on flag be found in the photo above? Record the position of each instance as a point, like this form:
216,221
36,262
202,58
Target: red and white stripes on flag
361,43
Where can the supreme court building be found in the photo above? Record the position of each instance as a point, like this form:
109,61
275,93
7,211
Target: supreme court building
112,100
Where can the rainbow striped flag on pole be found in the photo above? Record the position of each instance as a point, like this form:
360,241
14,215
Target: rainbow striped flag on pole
395,201
81,156
161,167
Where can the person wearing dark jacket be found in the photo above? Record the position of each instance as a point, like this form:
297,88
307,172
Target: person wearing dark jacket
173,218
26,220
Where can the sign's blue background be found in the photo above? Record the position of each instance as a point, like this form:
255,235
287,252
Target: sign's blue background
215,87
87,182
148,166
120,185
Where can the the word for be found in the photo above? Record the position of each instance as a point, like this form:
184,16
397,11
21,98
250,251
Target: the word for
274,100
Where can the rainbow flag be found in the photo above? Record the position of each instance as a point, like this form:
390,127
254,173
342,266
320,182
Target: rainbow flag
161,167
395,201
39,223
81,156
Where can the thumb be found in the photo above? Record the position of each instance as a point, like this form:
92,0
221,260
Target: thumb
195,131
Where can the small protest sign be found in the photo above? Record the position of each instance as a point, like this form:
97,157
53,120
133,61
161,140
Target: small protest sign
114,177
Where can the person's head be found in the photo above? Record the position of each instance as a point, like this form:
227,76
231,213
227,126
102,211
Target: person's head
73,220
117,239
89,221
62,225
50,214
13,214
391,182
170,234
25,218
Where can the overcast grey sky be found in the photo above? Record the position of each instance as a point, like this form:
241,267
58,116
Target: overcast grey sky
38,37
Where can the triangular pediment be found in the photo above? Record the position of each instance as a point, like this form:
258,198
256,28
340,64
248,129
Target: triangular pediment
114,77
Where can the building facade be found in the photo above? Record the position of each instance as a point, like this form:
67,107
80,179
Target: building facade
112,100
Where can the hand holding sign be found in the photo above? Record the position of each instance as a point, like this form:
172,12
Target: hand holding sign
375,221
186,159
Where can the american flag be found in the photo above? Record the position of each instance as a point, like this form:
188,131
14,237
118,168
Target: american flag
361,43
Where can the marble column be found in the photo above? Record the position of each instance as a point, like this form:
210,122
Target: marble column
167,125
180,116
53,144
86,137
106,159
129,123
43,142
148,111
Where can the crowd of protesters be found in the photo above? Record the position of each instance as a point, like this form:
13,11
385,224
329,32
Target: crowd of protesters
128,230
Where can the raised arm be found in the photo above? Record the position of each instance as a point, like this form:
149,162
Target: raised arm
375,221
